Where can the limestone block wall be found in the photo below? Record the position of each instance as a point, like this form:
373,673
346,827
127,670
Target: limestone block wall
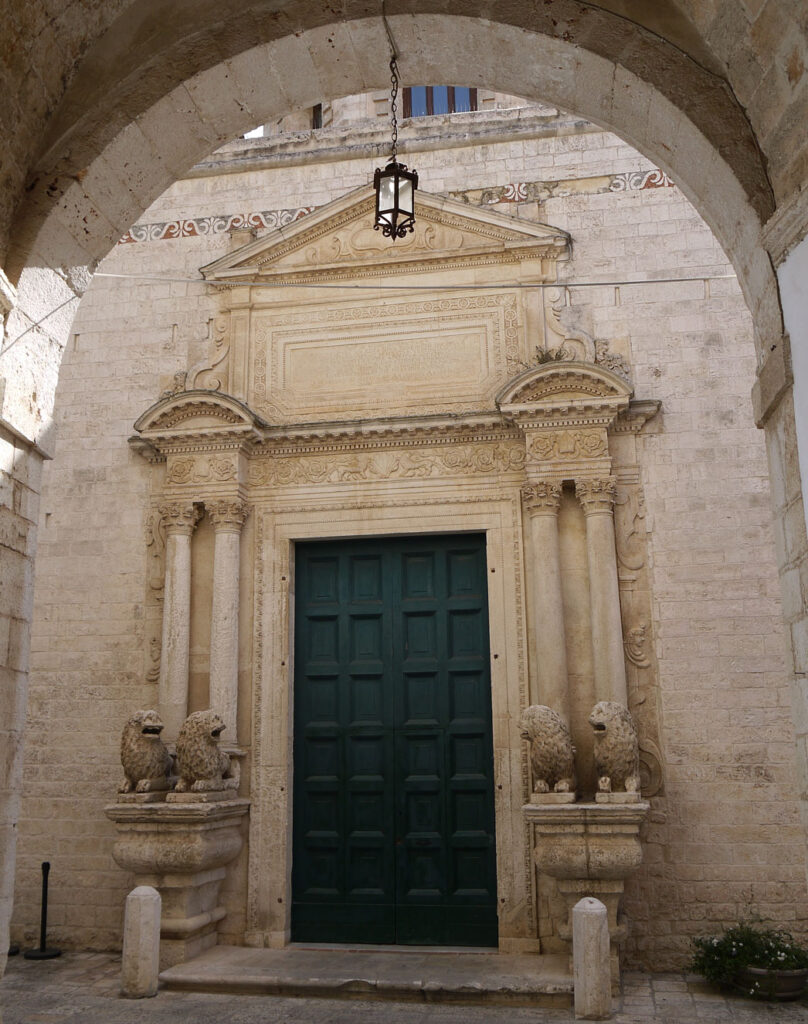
724,840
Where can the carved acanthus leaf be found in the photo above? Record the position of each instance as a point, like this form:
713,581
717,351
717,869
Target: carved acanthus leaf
542,496
227,514
179,517
596,494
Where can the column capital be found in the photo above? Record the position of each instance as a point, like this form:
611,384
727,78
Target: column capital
227,515
542,497
179,516
596,494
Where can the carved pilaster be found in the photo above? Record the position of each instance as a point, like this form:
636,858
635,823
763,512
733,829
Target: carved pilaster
179,517
596,495
227,515
542,498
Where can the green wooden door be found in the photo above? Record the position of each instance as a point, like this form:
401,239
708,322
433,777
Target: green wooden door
393,765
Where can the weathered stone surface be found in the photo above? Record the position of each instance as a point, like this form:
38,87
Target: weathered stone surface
590,958
140,965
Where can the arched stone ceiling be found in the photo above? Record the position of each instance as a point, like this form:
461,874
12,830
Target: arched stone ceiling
92,73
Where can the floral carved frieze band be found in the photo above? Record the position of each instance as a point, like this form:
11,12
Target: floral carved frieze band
349,466
569,444
187,469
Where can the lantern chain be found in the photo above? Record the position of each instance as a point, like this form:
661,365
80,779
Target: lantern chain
393,99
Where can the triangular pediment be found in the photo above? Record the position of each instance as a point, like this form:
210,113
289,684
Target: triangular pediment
197,413
340,238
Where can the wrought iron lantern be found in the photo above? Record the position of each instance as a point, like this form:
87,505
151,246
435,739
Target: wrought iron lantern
395,185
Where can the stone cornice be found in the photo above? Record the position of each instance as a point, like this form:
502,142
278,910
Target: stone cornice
195,417
640,412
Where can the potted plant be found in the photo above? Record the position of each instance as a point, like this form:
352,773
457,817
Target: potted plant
762,962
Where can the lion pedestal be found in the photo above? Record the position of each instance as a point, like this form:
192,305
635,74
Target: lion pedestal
590,849
182,850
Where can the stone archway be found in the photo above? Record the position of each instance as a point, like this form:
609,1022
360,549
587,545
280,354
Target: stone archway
106,158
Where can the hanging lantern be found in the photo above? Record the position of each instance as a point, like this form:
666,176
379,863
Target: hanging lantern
395,199
395,185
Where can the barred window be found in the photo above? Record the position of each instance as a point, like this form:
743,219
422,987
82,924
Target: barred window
423,100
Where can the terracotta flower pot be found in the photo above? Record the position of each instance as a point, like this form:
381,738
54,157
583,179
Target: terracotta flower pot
772,983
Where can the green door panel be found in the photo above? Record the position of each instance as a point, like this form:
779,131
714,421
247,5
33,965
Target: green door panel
393,837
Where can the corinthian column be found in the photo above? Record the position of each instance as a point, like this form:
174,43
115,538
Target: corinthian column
542,501
228,518
179,519
597,498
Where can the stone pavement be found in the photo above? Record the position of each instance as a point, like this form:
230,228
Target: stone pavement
82,988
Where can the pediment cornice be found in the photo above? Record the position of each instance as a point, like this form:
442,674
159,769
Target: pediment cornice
196,416
557,393
339,241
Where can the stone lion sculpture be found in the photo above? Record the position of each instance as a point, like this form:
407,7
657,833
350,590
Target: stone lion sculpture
201,765
146,762
552,755
617,757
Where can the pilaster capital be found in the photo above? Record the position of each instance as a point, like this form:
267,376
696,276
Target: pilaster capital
227,515
596,494
179,517
542,497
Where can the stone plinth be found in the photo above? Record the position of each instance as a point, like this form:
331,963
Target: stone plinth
182,850
590,849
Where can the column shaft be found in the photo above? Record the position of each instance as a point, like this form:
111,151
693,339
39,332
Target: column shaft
175,656
224,627
597,498
542,502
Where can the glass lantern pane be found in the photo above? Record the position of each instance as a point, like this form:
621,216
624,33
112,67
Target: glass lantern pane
405,195
387,199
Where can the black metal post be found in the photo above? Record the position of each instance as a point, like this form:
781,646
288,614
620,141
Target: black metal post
43,953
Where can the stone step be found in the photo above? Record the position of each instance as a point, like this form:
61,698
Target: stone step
371,972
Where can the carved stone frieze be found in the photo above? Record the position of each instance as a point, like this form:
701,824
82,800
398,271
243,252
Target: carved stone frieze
227,514
544,496
406,464
179,516
596,494
569,445
185,469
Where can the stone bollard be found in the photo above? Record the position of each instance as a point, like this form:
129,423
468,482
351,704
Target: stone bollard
141,943
590,960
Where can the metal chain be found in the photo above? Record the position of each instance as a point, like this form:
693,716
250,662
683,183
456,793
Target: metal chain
393,97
